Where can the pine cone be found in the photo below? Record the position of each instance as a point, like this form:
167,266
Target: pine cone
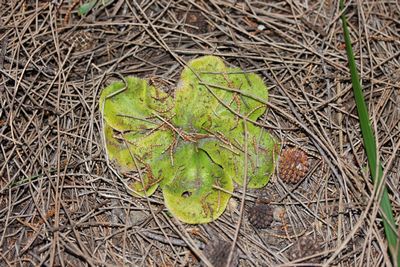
217,252
293,165
304,247
261,216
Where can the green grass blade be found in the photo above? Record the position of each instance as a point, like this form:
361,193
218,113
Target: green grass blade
370,146
85,8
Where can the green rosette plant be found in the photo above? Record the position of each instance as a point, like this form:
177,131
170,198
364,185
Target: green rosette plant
192,145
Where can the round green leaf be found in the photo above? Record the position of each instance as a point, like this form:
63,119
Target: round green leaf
194,97
189,191
249,84
146,148
132,129
215,95
262,151
133,107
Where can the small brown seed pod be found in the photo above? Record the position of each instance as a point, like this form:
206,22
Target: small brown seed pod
261,216
293,165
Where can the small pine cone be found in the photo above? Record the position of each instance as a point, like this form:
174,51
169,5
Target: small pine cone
217,252
293,165
304,247
261,216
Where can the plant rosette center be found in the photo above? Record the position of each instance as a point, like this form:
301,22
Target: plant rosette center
193,146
